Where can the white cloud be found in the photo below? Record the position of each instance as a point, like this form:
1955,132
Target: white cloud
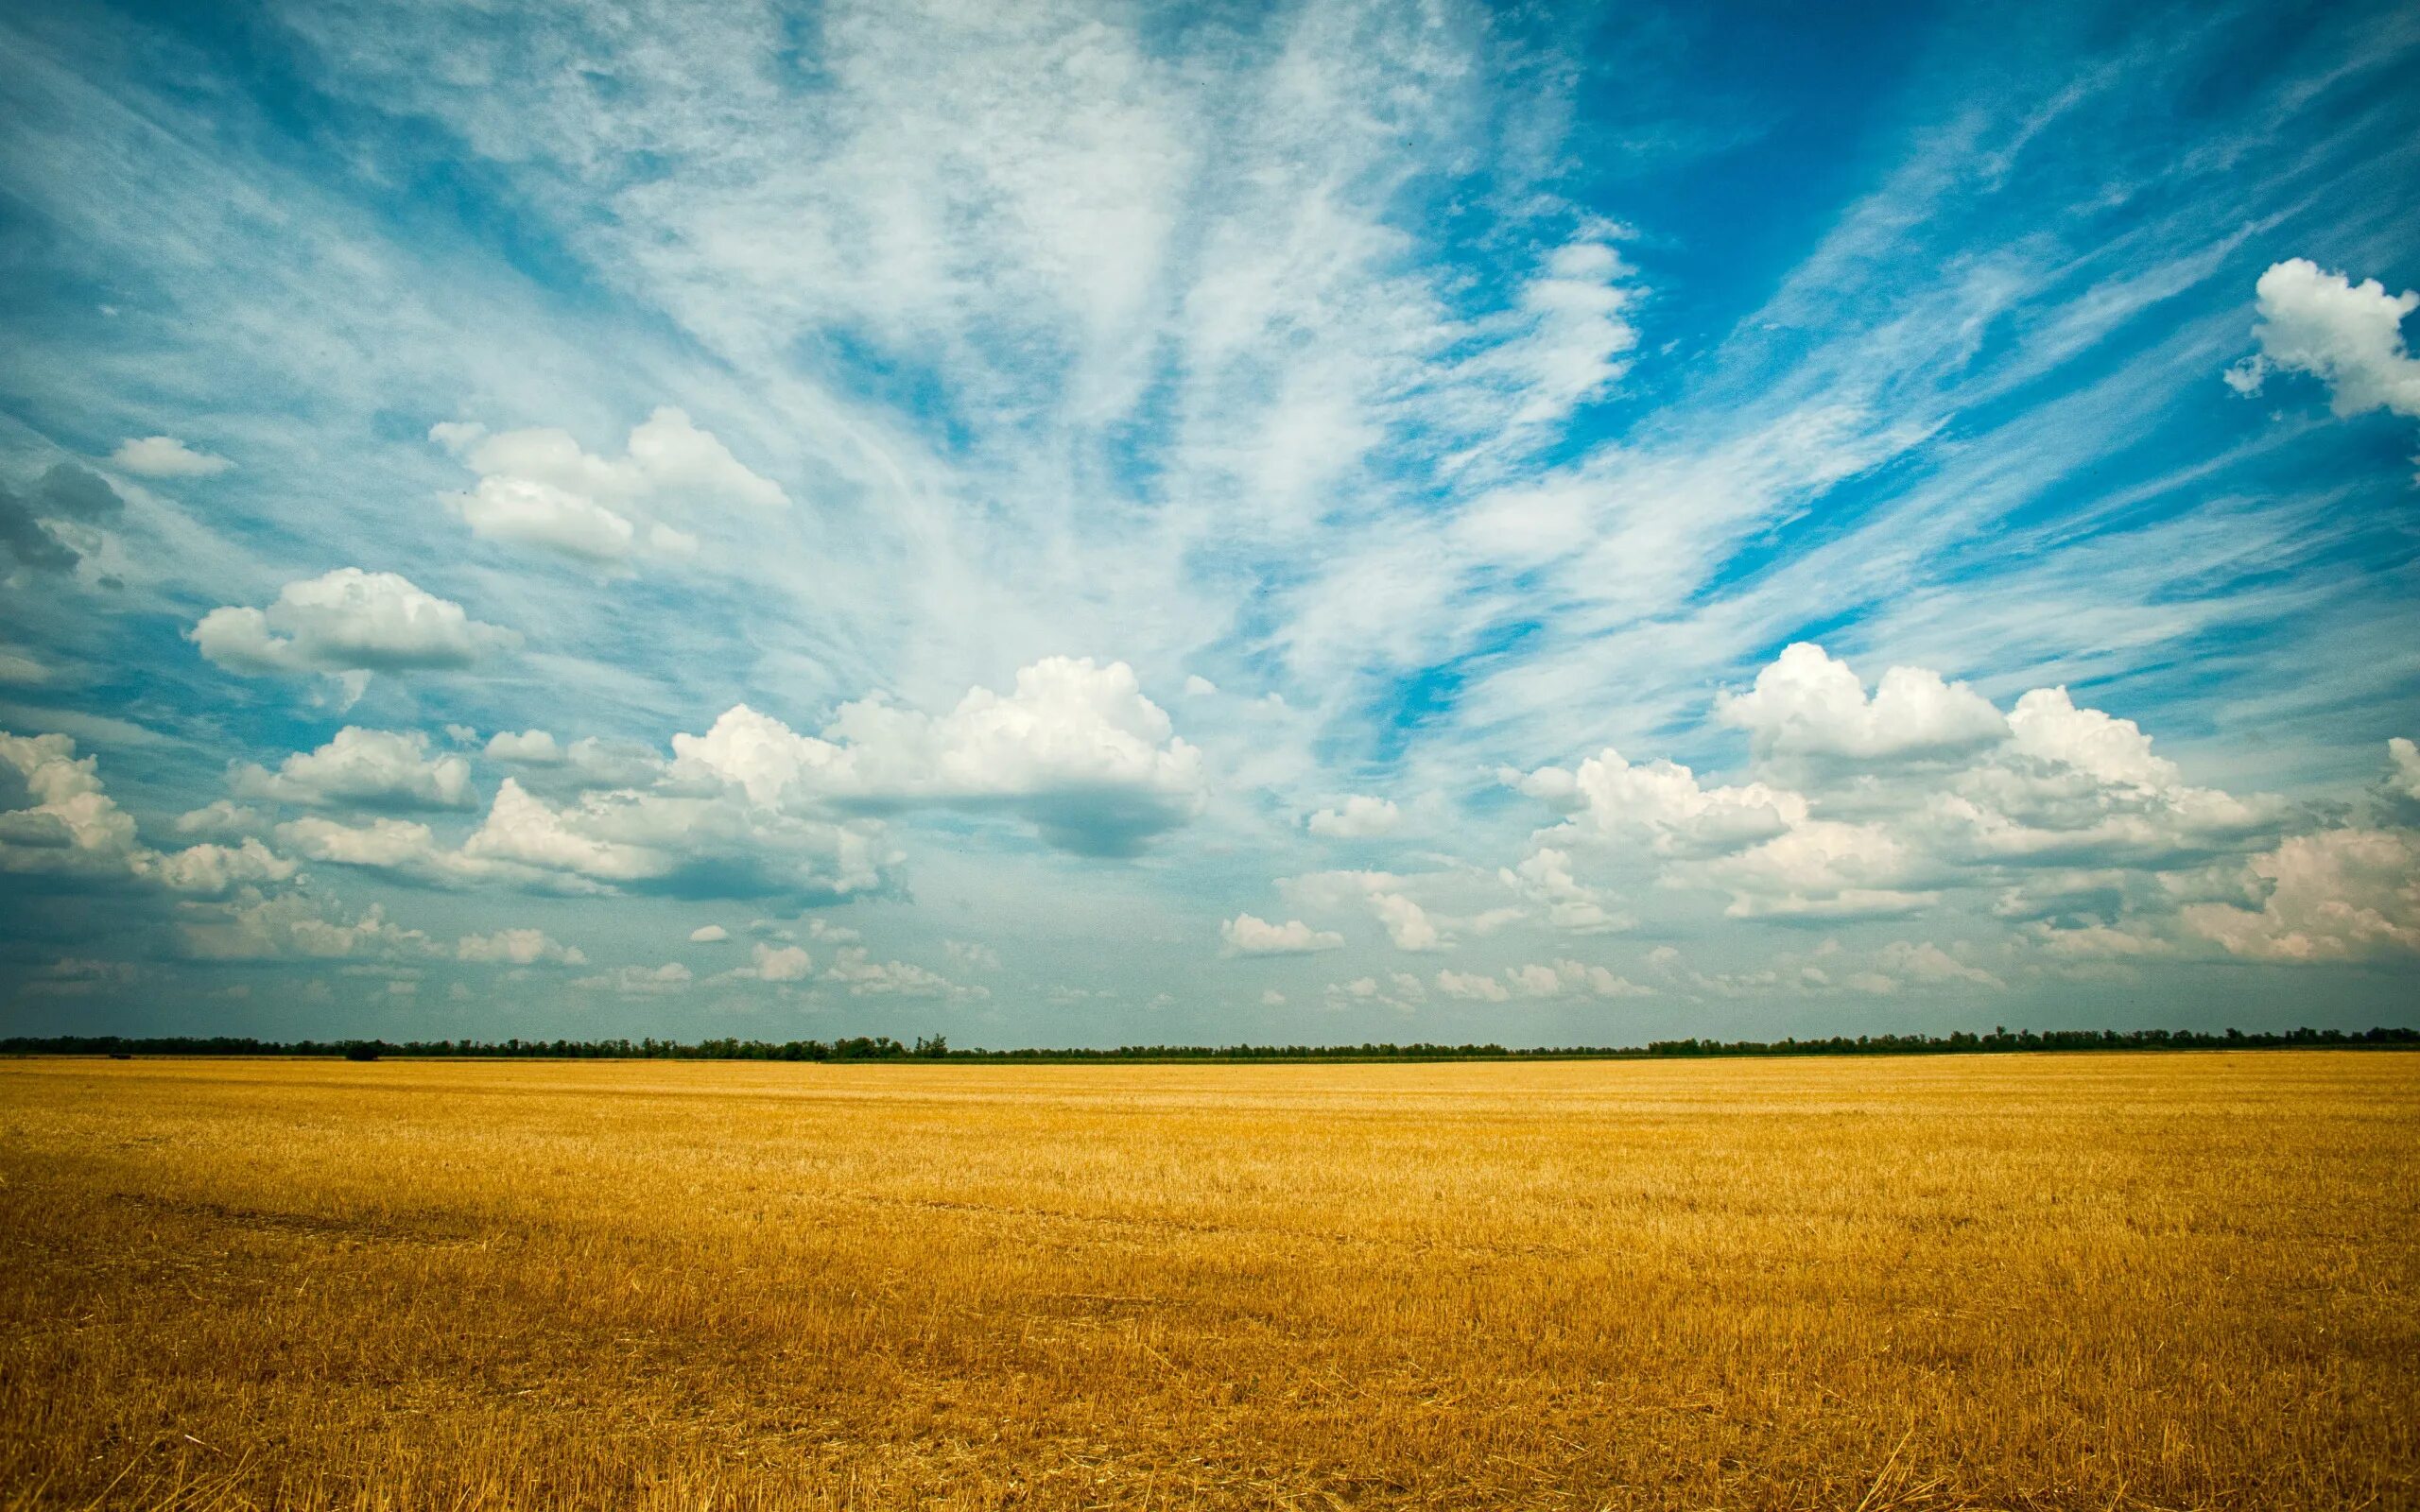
1560,978
213,870
2403,769
539,487
1409,926
529,748
2338,894
364,769
1808,704
772,963
70,828
1867,835
1246,935
865,977
1360,818
1076,749
970,955
681,842
639,981
220,819
291,926
1472,985
517,947
347,621
709,935
2347,334
164,456
1545,877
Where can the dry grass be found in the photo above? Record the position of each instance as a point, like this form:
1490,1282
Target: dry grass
2080,1282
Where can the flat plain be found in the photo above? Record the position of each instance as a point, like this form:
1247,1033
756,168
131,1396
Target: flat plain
2147,1280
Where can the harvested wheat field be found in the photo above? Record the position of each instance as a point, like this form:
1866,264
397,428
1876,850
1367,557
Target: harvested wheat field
2159,1281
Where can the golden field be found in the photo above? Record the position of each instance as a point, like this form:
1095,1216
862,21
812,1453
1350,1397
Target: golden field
2152,1281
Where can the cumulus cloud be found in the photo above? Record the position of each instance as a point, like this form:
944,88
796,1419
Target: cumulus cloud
587,762
1075,751
2348,335
347,621
1556,979
1401,992
292,926
1807,703
220,819
772,963
709,935
2403,769
364,769
1864,833
638,981
2338,894
517,947
970,955
42,530
866,977
164,456
712,844
61,825
1545,877
1247,935
1360,817
539,487
1408,923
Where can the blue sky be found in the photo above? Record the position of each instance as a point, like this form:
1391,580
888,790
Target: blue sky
1111,523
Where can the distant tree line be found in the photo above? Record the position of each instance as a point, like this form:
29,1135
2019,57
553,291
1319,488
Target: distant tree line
937,1047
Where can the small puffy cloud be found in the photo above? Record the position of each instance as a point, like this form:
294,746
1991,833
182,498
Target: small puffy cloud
2338,894
291,926
2403,769
1871,831
969,956
517,947
1545,877
1472,986
2348,335
1075,751
1247,935
364,769
638,981
213,870
529,748
1557,979
1661,803
401,849
164,456
684,844
1409,926
773,962
1198,686
1401,992
709,935
585,763
69,828
1272,999
1360,818
347,621
539,487
69,824
1807,703
220,819
864,976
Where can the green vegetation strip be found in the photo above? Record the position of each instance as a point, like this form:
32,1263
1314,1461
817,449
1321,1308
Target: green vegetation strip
936,1047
